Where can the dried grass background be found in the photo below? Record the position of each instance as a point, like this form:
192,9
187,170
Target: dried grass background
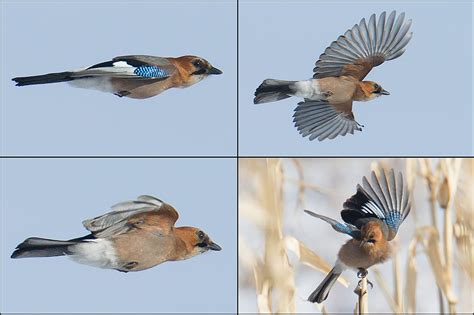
284,253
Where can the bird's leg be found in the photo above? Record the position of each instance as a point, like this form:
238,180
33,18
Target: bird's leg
122,93
130,265
362,273
328,94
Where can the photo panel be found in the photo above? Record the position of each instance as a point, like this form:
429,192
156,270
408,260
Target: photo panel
305,222
49,198
283,40
194,115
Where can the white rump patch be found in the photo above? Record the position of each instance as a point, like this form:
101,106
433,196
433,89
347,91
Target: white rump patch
98,253
308,89
339,266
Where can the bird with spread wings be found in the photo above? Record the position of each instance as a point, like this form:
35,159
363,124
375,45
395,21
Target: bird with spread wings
338,79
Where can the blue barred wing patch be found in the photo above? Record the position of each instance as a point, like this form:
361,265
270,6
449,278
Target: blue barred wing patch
393,220
344,228
151,72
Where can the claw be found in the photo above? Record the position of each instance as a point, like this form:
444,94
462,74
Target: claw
328,94
362,273
370,283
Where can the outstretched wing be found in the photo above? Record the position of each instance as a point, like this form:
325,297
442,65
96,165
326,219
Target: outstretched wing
365,46
340,227
319,119
146,212
383,198
125,67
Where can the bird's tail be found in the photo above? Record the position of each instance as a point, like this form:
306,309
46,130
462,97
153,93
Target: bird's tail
272,90
322,291
44,78
42,247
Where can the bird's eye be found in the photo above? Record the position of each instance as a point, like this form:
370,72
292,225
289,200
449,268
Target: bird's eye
201,234
198,63
376,87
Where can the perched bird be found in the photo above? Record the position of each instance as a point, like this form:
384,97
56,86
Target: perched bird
372,217
135,76
134,236
326,111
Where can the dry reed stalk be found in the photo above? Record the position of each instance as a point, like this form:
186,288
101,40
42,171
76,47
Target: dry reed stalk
463,231
431,180
362,304
386,292
309,258
451,169
397,283
411,275
278,271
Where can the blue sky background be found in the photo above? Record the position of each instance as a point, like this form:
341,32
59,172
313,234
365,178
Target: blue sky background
429,111
51,197
56,119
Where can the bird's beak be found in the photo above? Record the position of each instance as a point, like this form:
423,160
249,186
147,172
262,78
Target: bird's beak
214,246
213,70
383,92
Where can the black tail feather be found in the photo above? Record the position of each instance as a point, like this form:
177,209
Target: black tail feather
42,247
322,291
273,90
44,78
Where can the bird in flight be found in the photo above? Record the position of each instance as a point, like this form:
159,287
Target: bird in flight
326,111
135,235
135,76
371,217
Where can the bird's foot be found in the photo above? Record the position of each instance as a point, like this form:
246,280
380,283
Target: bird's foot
362,273
368,282
122,93
328,94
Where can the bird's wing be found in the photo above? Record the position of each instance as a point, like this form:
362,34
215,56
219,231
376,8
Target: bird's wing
365,46
130,67
147,212
384,198
340,227
319,119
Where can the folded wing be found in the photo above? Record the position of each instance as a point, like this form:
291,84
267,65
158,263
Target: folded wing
136,67
146,212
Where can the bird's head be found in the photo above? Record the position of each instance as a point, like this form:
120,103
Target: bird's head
196,241
371,234
197,68
372,90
